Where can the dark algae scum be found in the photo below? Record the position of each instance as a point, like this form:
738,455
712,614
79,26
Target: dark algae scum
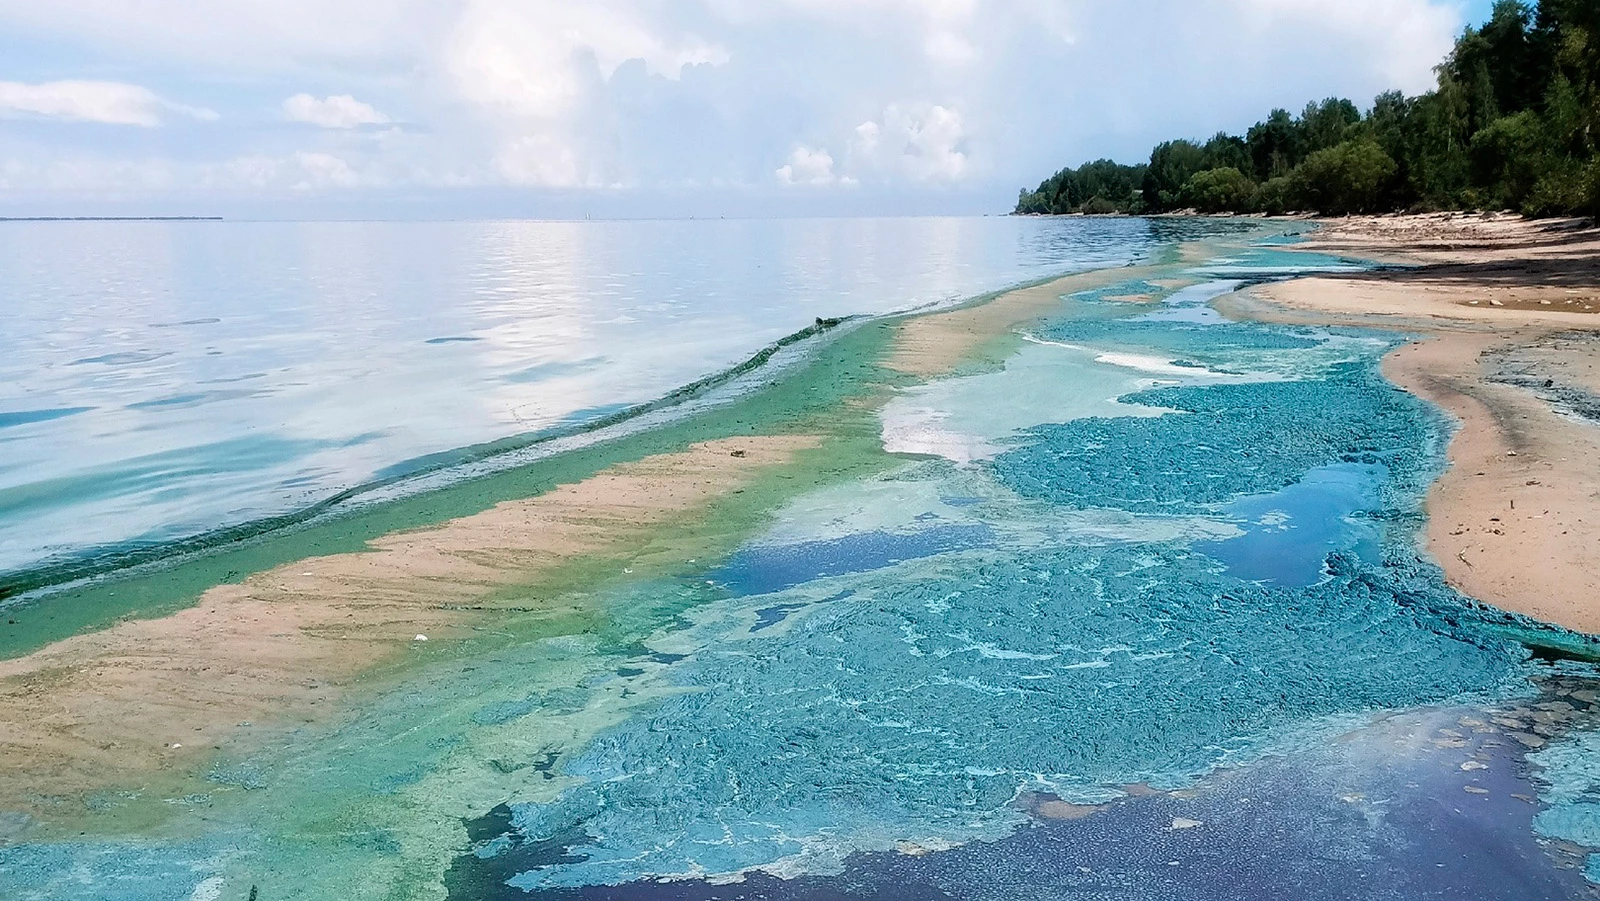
1124,602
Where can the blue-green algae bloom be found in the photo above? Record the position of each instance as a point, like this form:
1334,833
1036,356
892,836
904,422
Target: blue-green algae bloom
917,701
1133,547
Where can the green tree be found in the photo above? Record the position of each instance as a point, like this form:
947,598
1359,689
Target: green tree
1507,159
1350,178
1276,196
1102,186
1225,151
1510,55
1172,164
1328,124
1276,145
1513,123
1221,190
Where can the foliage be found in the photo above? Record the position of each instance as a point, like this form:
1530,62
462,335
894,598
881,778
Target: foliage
1275,197
1172,164
1348,178
1513,124
1219,190
1098,187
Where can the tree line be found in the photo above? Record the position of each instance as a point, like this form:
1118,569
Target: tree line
1514,124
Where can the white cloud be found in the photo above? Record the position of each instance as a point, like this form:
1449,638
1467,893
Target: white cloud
1400,42
951,49
81,175
542,160
255,35
535,75
323,170
537,58
922,142
896,95
105,102
337,111
296,173
807,166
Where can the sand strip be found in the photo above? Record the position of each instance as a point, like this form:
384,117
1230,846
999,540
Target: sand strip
140,705
935,344
1511,349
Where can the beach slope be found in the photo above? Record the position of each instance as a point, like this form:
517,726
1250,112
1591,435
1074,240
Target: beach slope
1507,317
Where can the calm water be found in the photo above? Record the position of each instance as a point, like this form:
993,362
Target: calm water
159,380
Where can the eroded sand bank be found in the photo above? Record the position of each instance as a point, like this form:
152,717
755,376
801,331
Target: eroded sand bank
1508,316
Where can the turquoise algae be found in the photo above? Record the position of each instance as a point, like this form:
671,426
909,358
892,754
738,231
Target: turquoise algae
912,706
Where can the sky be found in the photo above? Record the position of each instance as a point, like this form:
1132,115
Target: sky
566,108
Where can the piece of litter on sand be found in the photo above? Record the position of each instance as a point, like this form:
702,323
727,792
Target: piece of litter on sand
1185,823
420,638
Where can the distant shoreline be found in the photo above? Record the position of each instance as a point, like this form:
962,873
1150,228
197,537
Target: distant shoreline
110,218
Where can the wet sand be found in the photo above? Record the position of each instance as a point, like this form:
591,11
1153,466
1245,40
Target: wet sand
1508,317
142,705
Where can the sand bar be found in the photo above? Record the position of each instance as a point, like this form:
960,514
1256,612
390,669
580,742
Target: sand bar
935,344
141,705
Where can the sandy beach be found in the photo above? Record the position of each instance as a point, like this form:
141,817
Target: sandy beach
1507,316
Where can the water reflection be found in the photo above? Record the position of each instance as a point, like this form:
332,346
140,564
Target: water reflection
361,345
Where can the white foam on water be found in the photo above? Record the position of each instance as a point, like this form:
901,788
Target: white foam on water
972,418
1155,365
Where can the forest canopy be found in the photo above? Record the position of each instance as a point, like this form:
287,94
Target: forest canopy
1513,124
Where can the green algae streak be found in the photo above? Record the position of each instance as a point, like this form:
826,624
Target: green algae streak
844,366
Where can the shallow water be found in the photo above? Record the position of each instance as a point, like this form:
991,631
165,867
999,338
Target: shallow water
1162,566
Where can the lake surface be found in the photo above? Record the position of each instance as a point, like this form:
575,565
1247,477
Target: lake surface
1126,603
159,379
